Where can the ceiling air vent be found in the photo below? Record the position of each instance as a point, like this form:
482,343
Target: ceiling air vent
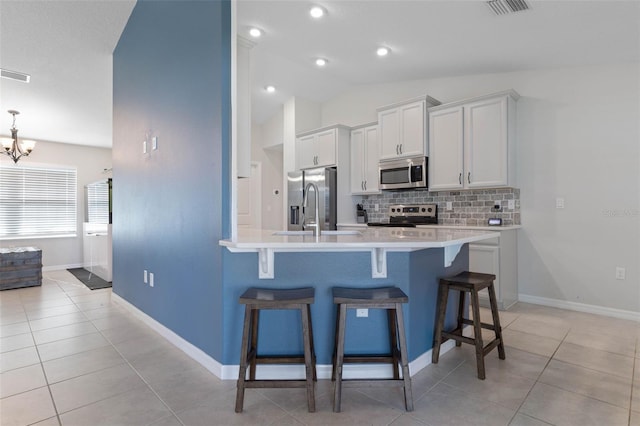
503,7
14,75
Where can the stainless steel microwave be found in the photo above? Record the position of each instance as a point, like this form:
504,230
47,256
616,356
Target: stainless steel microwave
407,173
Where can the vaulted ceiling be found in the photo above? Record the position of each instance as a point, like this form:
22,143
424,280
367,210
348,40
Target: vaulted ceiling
66,47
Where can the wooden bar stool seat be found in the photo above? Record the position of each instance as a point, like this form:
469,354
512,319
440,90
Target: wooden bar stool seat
254,300
391,299
472,283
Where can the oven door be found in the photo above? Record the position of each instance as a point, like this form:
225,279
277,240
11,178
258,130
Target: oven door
404,174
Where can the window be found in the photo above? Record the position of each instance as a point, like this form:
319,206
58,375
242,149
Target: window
37,202
98,201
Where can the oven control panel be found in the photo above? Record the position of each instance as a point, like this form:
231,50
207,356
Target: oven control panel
413,210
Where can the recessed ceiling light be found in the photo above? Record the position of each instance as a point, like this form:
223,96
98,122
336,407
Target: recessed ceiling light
270,89
255,32
383,51
317,12
321,62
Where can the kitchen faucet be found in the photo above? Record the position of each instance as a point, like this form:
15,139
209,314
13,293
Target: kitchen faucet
315,225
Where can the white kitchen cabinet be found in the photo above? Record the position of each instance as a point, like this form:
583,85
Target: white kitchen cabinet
403,128
497,256
317,149
471,143
364,160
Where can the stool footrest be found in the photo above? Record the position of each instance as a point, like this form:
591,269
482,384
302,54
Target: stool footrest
353,359
482,324
373,383
457,336
275,384
284,359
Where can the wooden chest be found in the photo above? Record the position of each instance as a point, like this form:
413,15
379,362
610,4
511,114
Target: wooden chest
20,267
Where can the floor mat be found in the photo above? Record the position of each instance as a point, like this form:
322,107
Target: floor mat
90,280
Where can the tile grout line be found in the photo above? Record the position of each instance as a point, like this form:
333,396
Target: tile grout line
44,373
538,379
130,366
633,375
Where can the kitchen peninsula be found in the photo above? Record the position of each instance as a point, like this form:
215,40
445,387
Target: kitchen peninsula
409,258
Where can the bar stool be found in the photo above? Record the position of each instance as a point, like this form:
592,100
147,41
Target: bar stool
472,283
254,300
391,299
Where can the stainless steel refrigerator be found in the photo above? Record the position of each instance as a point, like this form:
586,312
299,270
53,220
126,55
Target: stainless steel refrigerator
326,181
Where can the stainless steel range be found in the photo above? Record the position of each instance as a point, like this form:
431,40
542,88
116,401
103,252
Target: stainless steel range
410,215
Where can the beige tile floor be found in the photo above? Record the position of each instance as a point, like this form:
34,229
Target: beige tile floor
71,356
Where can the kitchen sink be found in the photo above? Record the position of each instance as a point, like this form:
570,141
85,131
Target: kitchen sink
341,232
303,233
293,233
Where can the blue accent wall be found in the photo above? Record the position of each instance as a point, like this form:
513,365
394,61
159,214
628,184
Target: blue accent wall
416,273
171,73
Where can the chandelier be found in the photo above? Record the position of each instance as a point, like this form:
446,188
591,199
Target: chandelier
10,145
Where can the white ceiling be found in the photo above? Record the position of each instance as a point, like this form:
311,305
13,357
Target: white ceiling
66,46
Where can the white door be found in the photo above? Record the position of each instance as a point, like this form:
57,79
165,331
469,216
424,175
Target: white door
250,198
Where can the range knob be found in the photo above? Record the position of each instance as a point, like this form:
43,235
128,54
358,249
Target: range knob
393,210
424,210
430,209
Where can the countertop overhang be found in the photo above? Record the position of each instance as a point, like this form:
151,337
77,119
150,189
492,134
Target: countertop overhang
378,241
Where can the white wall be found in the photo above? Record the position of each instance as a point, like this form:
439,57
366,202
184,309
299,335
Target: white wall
61,253
271,160
578,138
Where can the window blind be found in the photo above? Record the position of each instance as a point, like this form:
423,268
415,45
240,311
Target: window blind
37,202
98,202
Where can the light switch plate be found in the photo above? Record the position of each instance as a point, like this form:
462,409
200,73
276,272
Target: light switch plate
511,204
559,203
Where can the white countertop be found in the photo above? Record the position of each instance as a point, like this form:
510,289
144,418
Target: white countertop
363,239
378,241
476,228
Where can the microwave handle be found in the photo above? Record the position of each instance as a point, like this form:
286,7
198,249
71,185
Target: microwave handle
409,180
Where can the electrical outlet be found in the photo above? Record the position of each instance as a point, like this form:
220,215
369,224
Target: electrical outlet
511,204
621,273
362,313
377,207
151,279
449,205
145,276
559,203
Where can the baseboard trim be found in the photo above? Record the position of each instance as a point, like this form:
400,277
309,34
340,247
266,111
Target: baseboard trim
580,307
280,372
188,348
62,267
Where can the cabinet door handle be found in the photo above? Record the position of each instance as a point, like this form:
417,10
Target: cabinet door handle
469,177
460,178
397,149
362,185
365,185
400,148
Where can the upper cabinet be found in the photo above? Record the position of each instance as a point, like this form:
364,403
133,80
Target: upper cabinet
471,143
364,160
403,128
318,148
